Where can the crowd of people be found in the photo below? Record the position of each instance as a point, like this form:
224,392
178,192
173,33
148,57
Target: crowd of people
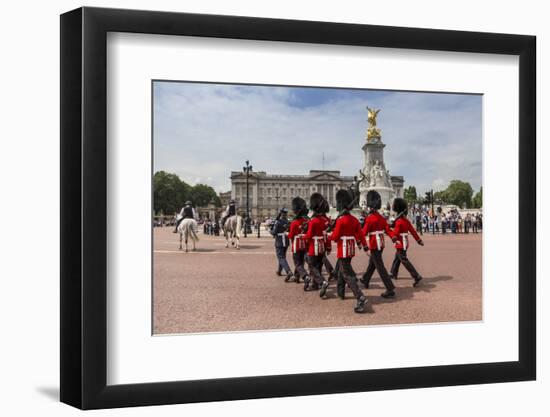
438,221
311,239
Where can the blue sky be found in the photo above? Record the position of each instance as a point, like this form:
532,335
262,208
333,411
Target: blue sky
203,131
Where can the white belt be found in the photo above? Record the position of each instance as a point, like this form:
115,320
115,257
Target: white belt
345,240
378,239
283,238
297,238
316,245
405,237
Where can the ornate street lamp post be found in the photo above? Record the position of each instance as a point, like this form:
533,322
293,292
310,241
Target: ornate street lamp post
246,169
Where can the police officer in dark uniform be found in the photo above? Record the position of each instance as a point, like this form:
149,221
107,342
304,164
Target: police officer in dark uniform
187,212
230,210
279,231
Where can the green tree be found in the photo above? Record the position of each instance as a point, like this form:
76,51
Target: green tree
169,192
477,201
201,194
459,193
410,194
440,196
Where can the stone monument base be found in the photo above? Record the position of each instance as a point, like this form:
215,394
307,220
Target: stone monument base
387,195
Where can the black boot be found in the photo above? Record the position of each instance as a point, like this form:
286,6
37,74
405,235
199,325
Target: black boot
361,303
323,290
417,281
289,276
306,283
388,294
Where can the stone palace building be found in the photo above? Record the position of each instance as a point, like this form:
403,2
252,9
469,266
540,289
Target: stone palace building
268,192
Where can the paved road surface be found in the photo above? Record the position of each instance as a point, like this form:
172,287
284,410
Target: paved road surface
217,289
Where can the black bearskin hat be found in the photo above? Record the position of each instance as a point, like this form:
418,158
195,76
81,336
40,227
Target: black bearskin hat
374,201
344,200
318,204
299,206
400,206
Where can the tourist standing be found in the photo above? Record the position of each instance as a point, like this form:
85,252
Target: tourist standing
418,221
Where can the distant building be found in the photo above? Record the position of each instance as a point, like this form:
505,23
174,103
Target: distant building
224,198
269,192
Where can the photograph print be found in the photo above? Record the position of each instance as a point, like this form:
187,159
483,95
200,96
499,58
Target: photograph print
298,207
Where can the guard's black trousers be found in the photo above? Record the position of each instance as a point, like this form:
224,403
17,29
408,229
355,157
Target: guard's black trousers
377,263
315,264
299,259
401,258
282,264
328,266
346,275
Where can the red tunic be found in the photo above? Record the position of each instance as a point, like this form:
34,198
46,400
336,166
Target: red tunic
374,229
316,237
401,231
346,232
296,234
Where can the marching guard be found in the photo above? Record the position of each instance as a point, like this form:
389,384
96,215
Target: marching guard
401,232
280,232
326,262
318,245
375,228
347,233
296,236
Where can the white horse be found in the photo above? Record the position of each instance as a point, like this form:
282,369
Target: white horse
232,229
188,228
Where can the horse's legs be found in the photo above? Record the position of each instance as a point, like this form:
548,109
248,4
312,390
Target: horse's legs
180,242
186,240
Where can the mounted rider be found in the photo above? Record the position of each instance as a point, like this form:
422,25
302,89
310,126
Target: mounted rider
230,210
187,212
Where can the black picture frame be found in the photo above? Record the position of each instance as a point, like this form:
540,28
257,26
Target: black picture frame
84,207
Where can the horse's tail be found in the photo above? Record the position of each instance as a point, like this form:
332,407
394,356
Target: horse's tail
239,226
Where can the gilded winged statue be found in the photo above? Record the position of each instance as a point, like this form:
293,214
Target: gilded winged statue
372,113
373,133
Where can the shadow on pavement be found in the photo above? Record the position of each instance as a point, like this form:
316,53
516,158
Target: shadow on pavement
251,246
402,293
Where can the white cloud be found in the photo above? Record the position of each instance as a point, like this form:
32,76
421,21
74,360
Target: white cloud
205,131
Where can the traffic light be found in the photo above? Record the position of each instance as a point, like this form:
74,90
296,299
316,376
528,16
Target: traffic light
428,197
